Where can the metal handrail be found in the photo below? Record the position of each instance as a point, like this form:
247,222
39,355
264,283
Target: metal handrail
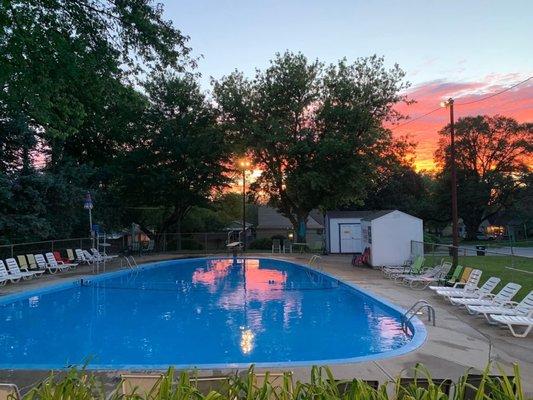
133,261
414,309
130,262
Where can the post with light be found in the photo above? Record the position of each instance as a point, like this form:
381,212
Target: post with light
88,205
244,165
455,219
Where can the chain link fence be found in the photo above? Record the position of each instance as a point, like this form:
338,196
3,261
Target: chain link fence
193,243
41,247
509,263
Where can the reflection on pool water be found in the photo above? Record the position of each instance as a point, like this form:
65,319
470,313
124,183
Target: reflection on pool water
200,312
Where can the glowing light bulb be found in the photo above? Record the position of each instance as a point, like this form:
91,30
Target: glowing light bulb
247,341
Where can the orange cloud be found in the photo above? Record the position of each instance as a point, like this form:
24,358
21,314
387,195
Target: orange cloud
516,103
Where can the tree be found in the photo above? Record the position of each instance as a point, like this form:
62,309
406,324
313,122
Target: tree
69,105
314,131
179,158
492,156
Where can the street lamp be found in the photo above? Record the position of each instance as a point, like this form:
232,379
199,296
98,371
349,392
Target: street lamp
455,224
244,165
88,205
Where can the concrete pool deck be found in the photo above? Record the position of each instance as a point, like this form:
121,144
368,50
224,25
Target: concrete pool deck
458,341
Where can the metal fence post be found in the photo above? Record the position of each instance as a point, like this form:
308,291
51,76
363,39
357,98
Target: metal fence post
12,251
205,242
52,245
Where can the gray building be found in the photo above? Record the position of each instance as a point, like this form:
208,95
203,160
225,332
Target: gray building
272,224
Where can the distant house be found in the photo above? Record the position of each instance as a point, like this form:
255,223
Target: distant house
272,224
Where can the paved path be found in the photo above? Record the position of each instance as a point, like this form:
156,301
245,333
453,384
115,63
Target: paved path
458,342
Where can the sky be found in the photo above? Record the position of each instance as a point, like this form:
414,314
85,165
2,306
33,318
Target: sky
466,49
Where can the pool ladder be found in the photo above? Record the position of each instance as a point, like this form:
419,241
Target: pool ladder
130,262
314,262
416,308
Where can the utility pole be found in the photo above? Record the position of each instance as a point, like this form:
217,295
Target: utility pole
244,164
244,210
455,218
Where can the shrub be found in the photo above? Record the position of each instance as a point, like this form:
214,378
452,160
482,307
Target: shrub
79,384
261,244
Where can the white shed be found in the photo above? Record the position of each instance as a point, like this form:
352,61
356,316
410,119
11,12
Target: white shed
343,231
389,234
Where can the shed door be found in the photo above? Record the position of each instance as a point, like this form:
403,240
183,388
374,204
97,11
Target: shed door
350,238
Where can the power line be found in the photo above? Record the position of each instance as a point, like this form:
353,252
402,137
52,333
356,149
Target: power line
462,104
495,94
415,119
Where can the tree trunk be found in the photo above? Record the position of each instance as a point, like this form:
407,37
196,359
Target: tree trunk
301,228
472,226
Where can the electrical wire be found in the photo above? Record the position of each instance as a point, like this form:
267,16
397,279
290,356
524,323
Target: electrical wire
495,94
463,104
415,119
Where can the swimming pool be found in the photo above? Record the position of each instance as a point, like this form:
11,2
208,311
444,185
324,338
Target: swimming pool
205,313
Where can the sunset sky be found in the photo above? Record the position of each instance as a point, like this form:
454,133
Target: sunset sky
461,49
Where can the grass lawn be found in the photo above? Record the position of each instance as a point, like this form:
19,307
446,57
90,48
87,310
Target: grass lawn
497,266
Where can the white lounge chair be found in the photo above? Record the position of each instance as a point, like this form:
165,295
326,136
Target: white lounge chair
102,257
52,262
423,271
5,276
14,270
422,281
43,265
510,308
416,267
471,283
92,259
471,293
514,320
504,296
80,257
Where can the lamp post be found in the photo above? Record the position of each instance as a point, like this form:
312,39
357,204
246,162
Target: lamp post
244,164
88,205
455,220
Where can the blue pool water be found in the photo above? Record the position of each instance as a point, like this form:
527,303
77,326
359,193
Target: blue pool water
202,313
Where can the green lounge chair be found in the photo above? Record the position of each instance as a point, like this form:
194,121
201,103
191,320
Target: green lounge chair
32,264
452,280
417,267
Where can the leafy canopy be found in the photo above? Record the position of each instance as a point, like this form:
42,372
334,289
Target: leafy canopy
492,164
314,130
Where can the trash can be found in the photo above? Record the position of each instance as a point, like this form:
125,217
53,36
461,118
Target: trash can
480,250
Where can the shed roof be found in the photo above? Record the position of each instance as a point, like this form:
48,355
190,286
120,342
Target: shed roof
378,214
348,214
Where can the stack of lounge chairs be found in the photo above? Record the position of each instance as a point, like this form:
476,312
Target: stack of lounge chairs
29,266
498,308
460,287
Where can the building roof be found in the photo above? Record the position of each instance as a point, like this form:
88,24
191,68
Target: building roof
348,214
237,226
270,218
377,214
369,215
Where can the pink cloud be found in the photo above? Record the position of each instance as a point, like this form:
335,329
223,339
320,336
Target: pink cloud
516,103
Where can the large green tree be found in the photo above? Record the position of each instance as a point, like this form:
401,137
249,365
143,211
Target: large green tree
492,165
315,131
69,104
179,159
